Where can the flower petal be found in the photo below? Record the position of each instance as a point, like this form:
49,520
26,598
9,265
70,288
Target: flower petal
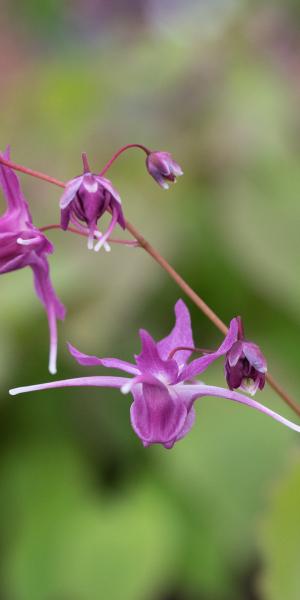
17,206
12,265
114,363
201,390
181,335
199,365
255,356
54,308
189,422
156,417
176,168
235,352
70,192
150,361
114,382
43,286
107,184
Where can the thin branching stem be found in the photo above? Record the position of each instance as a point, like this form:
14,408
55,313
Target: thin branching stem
198,301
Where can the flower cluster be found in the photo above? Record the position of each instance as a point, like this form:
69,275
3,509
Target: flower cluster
163,377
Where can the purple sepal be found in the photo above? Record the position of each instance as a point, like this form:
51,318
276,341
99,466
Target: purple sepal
197,366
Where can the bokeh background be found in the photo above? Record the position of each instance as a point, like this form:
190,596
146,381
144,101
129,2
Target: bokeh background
85,511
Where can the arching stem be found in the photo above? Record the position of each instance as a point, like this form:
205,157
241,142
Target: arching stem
117,154
132,243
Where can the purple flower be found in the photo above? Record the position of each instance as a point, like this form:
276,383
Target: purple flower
85,199
245,365
23,245
163,168
162,382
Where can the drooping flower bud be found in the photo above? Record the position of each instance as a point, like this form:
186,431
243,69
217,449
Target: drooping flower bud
163,168
245,365
85,199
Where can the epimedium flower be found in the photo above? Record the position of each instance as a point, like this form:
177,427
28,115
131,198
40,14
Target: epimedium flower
85,199
163,168
245,365
162,382
24,245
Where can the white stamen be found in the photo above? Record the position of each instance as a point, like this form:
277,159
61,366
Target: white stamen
27,242
165,185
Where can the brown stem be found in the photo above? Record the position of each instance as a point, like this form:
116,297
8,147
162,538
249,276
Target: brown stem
73,230
12,165
189,349
117,154
211,315
85,162
282,393
178,279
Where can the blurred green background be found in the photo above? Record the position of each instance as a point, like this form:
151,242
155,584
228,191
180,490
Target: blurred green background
85,511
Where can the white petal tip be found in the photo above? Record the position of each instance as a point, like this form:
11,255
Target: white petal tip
14,391
165,186
98,246
125,389
90,242
52,365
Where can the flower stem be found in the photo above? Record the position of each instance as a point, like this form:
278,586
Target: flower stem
117,154
189,349
135,244
37,174
85,162
209,313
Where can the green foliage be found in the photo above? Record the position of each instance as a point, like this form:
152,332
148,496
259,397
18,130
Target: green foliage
280,542
67,541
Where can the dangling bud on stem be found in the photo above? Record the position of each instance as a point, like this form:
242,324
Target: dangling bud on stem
85,199
245,365
163,168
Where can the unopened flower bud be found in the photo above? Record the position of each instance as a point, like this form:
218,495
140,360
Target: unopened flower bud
163,168
245,365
